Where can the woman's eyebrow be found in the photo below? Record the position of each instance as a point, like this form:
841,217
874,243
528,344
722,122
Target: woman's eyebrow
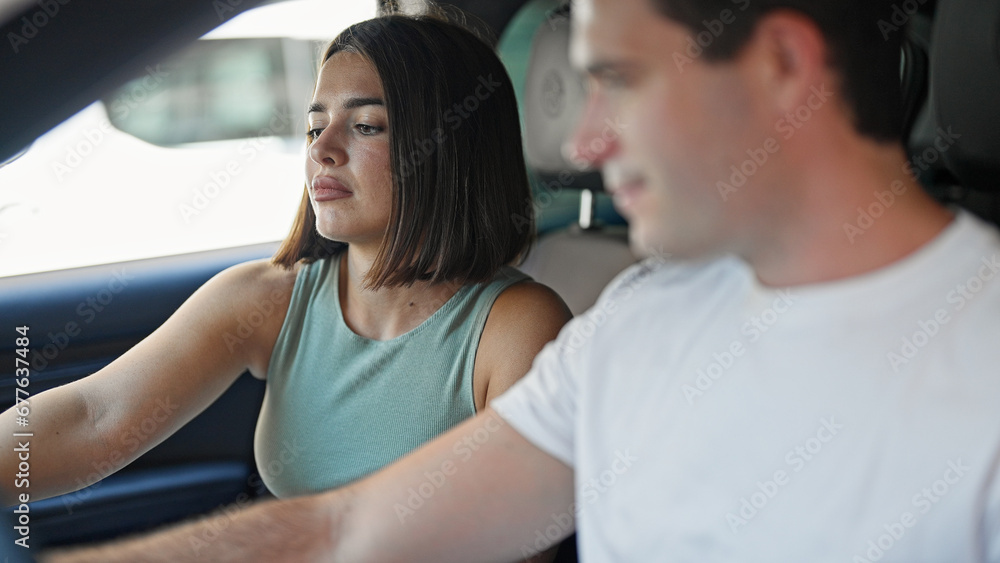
351,103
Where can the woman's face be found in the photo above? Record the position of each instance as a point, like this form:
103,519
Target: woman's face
347,164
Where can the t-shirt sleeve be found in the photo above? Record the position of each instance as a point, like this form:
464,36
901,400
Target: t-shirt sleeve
542,405
991,526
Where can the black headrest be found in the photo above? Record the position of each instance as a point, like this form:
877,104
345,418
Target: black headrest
965,80
554,98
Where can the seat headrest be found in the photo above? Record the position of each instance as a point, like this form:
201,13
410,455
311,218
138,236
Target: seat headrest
965,80
554,98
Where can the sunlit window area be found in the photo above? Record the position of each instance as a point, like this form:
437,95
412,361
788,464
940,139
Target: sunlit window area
201,151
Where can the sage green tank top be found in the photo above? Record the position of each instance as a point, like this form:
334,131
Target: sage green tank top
339,406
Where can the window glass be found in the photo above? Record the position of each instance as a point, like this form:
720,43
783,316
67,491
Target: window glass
202,151
214,90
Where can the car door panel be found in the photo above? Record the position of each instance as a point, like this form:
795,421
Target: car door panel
80,320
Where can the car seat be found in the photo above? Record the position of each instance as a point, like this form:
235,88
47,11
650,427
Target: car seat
961,112
577,261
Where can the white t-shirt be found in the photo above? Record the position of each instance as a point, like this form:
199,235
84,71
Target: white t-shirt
709,418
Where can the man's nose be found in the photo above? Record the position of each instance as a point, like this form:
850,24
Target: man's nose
595,139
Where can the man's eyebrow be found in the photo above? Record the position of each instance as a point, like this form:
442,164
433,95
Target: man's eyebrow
351,103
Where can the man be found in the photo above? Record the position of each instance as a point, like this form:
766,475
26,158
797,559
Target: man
795,385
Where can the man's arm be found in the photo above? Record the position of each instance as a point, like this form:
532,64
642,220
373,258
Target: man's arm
478,492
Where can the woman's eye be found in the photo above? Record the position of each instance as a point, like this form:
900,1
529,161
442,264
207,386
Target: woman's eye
366,129
313,134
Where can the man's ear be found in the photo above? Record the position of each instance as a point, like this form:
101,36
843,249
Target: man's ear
788,54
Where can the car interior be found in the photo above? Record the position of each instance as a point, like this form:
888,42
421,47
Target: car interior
81,318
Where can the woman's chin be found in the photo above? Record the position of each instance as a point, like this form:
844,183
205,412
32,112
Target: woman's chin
333,236
346,237
361,235
329,232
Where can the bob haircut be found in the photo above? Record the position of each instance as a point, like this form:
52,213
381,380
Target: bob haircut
461,202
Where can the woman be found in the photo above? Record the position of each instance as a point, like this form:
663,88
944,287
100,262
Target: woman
406,324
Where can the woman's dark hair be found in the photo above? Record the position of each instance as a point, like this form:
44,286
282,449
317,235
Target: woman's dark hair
461,204
863,47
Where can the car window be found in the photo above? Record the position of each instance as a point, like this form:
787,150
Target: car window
214,90
201,151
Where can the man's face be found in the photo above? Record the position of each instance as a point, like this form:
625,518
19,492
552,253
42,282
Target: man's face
665,126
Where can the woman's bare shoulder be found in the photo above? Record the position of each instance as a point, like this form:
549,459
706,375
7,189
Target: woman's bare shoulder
525,317
258,293
259,279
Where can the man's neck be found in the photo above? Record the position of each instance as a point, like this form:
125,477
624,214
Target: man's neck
851,213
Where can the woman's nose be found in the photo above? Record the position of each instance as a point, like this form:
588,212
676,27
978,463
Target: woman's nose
327,149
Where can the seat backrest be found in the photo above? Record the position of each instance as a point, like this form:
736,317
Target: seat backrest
965,82
579,261
955,143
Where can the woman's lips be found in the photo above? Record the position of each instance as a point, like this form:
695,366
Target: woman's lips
326,188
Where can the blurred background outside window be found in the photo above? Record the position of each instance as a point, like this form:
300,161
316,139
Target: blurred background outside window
202,151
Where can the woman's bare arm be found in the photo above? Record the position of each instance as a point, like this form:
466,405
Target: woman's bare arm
489,506
94,426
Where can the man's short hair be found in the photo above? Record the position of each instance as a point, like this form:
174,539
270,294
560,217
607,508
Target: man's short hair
863,54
